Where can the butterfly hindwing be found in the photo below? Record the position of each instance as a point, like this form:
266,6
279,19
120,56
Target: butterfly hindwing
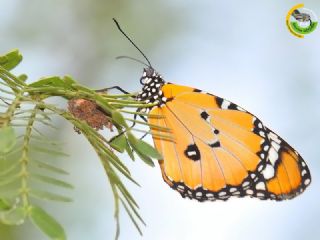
292,175
220,150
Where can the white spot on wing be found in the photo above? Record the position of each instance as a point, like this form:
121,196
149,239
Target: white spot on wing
191,153
225,104
260,194
222,193
304,172
249,192
261,186
245,184
273,155
199,194
233,190
275,145
268,172
274,137
307,181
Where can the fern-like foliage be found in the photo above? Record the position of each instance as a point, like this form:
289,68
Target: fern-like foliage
24,178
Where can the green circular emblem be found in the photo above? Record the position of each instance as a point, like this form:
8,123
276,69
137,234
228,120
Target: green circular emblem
301,21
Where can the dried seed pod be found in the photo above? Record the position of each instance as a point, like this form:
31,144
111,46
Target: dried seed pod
90,112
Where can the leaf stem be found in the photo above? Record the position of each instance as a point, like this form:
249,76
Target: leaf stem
24,190
6,118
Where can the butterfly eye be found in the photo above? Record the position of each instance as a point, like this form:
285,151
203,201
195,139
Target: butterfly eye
147,73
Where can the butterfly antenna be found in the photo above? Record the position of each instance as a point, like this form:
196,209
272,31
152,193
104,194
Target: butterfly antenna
134,59
118,25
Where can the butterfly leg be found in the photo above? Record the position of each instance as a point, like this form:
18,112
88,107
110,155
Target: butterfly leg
114,87
144,135
143,118
133,124
136,115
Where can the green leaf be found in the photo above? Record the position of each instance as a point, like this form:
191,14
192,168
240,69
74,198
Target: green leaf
11,59
119,143
113,159
134,144
4,205
7,139
50,167
132,139
23,77
123,171
147,149
144,158
52,181
50,151
143,149
134,209
8,167
118,118
47,223
9,179
130,151
47,81
9,192
110,158
52,81
69,80
15,216
49,196
131,216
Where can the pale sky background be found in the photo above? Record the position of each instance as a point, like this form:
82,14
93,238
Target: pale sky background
241,51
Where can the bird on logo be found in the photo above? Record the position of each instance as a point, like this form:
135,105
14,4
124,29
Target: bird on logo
301,17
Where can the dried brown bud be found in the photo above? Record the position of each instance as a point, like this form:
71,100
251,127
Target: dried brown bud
90,112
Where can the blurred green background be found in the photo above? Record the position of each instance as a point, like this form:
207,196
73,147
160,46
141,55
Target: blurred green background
239,50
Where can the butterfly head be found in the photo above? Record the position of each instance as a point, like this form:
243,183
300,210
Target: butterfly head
151,90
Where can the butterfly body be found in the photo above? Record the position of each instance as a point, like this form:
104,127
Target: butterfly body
219,150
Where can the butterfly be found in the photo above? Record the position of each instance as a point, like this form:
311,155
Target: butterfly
219,150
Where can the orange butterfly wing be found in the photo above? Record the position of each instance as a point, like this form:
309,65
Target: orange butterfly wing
220,150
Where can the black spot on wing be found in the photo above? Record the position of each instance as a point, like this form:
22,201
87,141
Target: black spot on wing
233,106
215,144
230,105
204,115
219,101
197,90
192,152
